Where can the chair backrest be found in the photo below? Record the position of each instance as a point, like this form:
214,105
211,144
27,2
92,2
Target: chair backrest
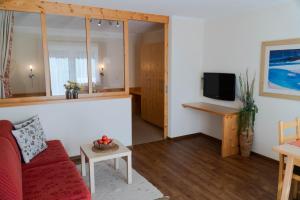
10,172
295,124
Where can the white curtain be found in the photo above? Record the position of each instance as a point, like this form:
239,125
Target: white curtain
59,70
68,62
6,31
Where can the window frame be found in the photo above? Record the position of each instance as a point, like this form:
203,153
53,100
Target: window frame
44,8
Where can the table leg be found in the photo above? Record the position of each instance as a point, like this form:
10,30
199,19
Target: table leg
92,177
129,169
287,178
83,172
116,163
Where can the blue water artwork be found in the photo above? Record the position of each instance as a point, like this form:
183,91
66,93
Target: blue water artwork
284,69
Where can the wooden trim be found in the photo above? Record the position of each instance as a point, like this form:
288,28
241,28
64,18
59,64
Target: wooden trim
166,80
212,108
45,54
88,53
262,68
126,56
35,94
78,10
59,99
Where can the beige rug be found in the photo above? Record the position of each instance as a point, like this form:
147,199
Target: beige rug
111,184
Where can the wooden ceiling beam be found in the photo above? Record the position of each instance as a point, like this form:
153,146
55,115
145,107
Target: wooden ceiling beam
78,10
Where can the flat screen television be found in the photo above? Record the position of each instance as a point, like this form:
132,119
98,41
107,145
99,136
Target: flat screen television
219,86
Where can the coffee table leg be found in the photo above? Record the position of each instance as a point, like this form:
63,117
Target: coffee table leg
129,169
92,177
83,172
116,163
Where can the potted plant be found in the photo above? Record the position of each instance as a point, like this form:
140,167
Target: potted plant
68,91
75,89
247,114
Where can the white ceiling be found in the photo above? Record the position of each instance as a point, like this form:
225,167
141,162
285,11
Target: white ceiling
189,8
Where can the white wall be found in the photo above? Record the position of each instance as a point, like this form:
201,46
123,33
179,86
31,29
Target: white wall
233,45
22,58
186,57
113,60
80,122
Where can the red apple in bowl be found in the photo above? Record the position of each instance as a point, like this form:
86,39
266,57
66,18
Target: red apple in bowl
104,138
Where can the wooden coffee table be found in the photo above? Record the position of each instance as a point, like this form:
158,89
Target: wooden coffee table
94,157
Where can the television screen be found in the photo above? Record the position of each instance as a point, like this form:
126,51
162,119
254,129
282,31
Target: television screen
219,86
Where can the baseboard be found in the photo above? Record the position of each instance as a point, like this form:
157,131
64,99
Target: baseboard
77,159
219,141
195,135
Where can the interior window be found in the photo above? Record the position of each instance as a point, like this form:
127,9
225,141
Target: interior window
107,52
67,52
22,64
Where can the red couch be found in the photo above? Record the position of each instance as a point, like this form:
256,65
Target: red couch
50,175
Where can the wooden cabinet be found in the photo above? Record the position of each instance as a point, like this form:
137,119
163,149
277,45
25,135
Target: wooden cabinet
152,83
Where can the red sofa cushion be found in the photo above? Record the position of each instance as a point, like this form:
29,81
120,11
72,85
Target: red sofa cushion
10,172
55,152
5,131
54,181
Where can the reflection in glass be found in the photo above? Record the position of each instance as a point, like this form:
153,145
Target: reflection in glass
24,65
67,52
107,55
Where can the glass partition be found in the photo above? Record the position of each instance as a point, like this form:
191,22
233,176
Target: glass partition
23,63
67,52
107,55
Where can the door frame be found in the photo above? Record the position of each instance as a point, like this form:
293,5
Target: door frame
165,75
166,80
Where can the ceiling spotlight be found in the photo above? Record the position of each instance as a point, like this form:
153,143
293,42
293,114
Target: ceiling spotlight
99,23
118,24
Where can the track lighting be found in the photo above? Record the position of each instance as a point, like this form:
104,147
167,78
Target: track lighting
118,24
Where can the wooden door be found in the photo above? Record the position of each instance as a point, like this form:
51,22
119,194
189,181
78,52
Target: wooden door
152,83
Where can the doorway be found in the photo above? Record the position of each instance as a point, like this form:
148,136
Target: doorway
147,80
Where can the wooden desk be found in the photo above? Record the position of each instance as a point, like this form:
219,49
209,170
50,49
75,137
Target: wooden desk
292,152
230,144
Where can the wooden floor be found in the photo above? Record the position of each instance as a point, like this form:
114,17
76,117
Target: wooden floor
191,168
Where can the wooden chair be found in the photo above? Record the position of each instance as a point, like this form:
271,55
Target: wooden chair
283,138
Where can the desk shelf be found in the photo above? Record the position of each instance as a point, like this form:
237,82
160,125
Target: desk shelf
230,144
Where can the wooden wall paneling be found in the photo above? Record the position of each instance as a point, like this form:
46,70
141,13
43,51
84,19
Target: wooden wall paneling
126,54
152,82
45,55
166,79
88,51
78,10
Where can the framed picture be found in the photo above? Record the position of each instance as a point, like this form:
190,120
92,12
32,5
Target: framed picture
280,69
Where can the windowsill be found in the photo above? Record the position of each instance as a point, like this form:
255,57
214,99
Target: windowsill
45,100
